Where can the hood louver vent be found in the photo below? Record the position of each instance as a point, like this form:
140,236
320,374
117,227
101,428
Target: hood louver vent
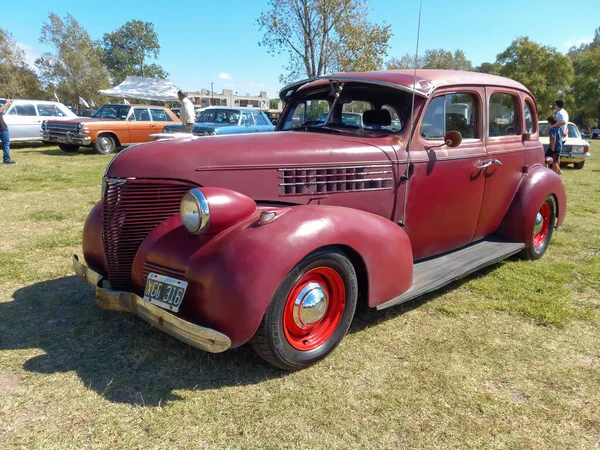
317,180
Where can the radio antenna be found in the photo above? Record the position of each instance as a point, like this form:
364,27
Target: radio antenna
412,111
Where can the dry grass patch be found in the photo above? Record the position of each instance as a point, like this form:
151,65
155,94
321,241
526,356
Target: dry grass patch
507,358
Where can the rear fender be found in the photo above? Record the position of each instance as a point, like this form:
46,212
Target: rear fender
233,275
540,182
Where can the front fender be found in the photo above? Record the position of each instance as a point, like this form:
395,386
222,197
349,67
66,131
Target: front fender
540,182
233,275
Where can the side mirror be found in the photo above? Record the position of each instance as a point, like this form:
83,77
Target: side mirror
453,138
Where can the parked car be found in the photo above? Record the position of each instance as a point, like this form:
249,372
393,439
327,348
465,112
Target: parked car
273,238
576,150
24,118
84,112
273,116
218,120
110,127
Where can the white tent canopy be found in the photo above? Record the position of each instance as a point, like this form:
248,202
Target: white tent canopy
144,89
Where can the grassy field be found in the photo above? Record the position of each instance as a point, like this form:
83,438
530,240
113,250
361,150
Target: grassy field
507,358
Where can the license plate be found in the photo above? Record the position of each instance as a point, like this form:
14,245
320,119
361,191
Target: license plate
165,292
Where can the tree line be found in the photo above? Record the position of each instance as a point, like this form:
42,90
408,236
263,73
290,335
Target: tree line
78,66
318,37
325,36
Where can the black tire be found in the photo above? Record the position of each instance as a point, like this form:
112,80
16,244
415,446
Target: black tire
541,240
579,165
105,144
271,341
68,148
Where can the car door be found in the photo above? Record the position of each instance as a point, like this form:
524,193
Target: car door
161,119
262,124
23,122
140,124
508,118
446,187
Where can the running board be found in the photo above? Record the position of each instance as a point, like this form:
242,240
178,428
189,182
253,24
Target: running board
433,273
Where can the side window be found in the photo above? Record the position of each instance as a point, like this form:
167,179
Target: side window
458,112
503,115
247,119
26,110
159,115
141,114
49,110
309,110
259,118
529,118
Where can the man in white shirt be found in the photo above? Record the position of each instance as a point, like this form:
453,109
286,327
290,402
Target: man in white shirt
186,113
562,123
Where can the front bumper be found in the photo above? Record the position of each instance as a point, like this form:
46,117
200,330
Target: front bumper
194,335
573,157
61,138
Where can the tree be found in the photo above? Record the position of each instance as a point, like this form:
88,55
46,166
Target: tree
586,87
491,68
126,50
17,79
546,72
322,36
75,68
433,59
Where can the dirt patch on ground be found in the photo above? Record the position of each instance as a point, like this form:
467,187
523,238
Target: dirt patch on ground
9,382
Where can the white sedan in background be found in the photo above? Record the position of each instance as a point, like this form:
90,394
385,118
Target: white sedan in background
24,118
575,150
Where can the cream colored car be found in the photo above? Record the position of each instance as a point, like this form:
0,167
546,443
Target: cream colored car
575,151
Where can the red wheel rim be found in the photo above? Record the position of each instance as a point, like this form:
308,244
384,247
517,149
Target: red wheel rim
310,336
540,237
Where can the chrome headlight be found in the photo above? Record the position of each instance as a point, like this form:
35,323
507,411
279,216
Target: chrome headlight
194,211
577,148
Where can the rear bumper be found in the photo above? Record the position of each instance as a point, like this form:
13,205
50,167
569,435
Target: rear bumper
194,335
66,139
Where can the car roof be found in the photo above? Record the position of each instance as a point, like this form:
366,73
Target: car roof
545,121
427,80
229,108
43,102
132,105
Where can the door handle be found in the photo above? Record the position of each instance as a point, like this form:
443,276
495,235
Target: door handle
496,161
152,126
485,164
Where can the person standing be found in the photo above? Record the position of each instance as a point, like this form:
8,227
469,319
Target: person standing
556,142
563,123
186,113
4,136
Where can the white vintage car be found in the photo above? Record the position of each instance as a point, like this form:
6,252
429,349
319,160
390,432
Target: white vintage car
575,151
24,118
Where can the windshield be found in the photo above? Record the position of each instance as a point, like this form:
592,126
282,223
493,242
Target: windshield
360,108
118,112
222,116
573,131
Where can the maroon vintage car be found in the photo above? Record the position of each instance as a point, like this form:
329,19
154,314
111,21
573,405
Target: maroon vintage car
273,238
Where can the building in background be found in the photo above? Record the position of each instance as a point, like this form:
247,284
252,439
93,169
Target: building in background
229,98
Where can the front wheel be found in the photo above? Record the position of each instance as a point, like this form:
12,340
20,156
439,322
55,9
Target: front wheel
310,312
105,144
68,148
543,227
579,165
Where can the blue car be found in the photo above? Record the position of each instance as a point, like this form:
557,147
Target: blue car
219,121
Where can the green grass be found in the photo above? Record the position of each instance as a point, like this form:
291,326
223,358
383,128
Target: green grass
507,358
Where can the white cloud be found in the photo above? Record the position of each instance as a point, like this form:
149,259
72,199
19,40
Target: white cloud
225,76
30,54
577,42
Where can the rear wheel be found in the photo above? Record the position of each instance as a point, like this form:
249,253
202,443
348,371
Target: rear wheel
310,312
543,227
579,165
105,144
69,148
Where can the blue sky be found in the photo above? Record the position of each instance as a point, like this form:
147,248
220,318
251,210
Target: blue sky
218,41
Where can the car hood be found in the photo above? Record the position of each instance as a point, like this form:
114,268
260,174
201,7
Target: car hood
545,140
248,163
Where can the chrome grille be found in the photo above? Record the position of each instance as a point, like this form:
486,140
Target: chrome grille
315,180
132,208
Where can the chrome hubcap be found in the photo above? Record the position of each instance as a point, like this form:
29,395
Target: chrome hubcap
539,221
310,305
105,144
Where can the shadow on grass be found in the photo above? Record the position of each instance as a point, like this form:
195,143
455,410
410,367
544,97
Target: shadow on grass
119,356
